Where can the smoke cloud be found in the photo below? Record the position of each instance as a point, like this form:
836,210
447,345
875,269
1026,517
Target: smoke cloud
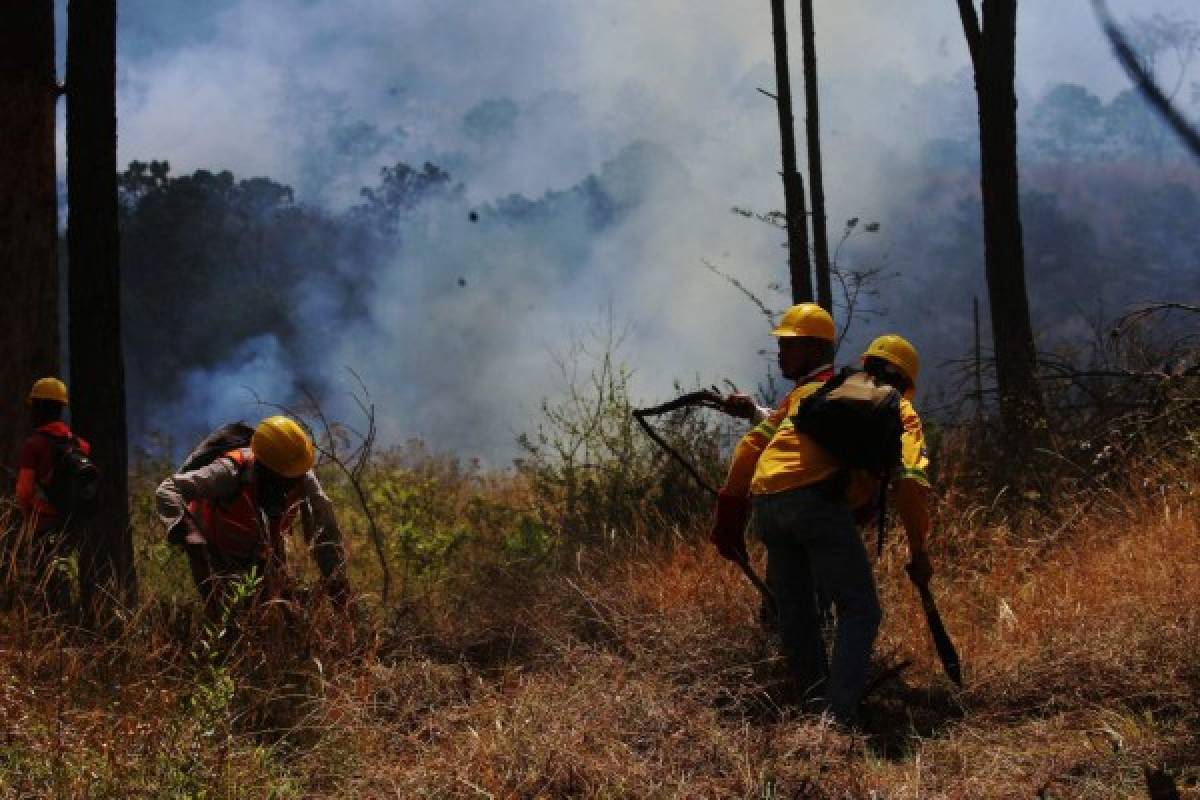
539,105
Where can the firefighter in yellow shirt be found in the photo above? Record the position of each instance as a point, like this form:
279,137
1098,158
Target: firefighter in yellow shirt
799,496
892,360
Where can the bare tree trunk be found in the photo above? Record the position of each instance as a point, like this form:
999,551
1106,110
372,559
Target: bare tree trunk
793,183
993,53
97,362
816,180
28,216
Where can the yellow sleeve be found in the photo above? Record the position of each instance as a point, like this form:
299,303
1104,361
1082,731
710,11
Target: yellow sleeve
751,446
910,492
914,456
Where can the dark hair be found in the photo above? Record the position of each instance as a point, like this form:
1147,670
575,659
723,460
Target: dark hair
885,372
46,411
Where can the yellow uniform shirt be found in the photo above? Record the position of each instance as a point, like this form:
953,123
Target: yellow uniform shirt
775,457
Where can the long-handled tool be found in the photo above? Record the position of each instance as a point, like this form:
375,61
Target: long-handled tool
941,640
705,398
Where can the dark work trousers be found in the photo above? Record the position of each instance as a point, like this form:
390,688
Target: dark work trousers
814,549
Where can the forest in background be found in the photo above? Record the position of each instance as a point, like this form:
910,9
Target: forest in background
1108,200
564,628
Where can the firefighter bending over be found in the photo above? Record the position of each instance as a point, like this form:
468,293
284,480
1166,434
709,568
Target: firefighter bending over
235,498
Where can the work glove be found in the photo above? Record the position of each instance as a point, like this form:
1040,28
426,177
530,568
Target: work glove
919,568
729,526
184,533
739,405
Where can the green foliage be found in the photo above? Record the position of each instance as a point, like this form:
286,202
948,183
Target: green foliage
596,477
162,567
209,703
440,521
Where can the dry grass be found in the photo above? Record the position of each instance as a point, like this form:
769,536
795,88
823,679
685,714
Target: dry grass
644,673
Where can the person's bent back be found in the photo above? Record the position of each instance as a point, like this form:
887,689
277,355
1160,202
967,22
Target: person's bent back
231,515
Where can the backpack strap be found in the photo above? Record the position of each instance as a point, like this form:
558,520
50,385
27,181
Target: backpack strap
826,387
63,444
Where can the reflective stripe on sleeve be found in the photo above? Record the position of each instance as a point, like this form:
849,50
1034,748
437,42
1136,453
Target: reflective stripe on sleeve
913,474
766,429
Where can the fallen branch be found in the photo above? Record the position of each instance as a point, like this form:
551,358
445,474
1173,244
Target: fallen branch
705,398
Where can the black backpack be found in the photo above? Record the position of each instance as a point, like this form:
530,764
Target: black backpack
858,422
233,436
74,487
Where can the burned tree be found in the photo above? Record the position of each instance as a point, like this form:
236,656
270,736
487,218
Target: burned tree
816,180
992,47
793,182
97,363
28,214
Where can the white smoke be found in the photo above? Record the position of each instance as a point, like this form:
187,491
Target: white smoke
235,390
533,96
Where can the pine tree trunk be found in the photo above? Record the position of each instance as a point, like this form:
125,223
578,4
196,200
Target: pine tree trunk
28,216
97,362
793,183
993,51
816,179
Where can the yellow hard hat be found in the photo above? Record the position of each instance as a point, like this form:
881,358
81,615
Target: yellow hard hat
806,319
283,446
48,389
897,351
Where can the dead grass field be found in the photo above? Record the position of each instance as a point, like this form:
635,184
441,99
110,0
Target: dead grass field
645,673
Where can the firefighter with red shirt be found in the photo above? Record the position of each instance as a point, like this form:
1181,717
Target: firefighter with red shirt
51,532
231,515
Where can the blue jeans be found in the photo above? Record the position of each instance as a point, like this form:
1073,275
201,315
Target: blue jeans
813,546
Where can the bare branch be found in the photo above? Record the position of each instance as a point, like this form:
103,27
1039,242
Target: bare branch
1127,319
1137,72
326,445
766,312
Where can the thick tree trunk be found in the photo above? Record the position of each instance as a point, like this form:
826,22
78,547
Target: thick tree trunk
28,216
816,180
993,51
97,362
793,183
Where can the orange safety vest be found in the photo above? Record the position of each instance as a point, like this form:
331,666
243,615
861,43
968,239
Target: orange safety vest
235,525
